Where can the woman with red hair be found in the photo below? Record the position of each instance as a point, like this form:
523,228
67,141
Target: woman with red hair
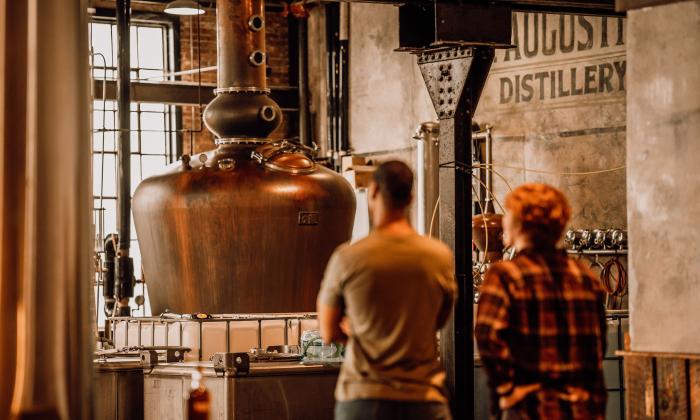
540,325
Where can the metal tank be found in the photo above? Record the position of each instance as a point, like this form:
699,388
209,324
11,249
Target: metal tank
249,226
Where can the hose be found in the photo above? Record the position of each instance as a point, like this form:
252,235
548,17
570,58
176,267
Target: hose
615,285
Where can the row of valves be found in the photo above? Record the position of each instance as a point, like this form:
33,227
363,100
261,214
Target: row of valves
582,239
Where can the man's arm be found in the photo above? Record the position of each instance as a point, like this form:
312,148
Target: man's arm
449,287
490,332
329,304
329,318
448,302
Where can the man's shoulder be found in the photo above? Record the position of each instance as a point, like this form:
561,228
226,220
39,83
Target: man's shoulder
375,243
436,247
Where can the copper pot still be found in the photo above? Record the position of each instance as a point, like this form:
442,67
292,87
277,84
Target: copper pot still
488,225
249,226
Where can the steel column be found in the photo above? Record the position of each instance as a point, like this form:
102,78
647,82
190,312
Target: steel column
455,77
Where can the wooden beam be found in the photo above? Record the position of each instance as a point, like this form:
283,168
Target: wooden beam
187,94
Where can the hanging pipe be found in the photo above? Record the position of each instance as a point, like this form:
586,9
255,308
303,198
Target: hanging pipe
124,284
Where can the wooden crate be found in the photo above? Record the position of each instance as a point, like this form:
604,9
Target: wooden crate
662,385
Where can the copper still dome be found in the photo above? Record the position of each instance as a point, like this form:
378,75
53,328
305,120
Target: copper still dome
249,226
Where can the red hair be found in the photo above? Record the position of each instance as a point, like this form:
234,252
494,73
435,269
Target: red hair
541,210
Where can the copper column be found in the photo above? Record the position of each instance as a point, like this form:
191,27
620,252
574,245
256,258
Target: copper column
242,111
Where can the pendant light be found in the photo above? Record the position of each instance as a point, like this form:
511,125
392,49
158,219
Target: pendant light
184,8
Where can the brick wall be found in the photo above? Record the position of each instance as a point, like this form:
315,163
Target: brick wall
278,63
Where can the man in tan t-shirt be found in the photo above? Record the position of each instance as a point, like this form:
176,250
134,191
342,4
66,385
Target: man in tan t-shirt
388,295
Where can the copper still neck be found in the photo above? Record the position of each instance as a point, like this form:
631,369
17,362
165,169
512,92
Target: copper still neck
242,112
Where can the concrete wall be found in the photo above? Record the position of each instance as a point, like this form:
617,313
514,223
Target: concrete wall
388,98
557,103
575,125
663,147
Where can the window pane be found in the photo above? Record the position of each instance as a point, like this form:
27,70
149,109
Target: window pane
104,174
110,206
135,148
135,172
135,121
102,43
100,137
102,119
153,143
135,253
151,48
134,45
114,46
151,75
99,105
152,165
152,107
152,121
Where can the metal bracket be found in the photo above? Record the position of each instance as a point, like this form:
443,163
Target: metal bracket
231,364
149,359
445,72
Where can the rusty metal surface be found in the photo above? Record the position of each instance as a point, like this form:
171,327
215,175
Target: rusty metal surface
238,240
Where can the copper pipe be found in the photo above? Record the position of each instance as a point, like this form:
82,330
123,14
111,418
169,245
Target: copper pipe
240,26
242,110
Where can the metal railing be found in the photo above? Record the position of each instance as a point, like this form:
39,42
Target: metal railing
170,319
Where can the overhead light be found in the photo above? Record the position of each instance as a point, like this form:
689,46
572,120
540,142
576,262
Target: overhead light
184,8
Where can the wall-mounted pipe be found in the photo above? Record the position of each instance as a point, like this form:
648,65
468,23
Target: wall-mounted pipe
304,119
124,142
124,288
428,133
110,266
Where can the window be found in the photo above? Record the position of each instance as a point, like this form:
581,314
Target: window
153,128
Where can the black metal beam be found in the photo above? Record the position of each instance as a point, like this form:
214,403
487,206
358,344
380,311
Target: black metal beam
187,94
581,7
428,25
625,5
454,78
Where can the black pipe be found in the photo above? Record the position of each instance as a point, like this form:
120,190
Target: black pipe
303,75
333,45
344,97
124,284
124,143
109,274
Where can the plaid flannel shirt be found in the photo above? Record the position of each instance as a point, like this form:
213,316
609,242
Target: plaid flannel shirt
540,330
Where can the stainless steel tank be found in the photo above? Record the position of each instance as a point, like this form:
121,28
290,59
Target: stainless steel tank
248,227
